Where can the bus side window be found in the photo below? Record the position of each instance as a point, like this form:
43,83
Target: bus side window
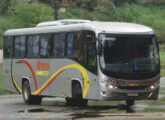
56,42
19,46
76,45
73,45
22,49
70,39
8,47
29,46
44,48
33,46
62,44
16,47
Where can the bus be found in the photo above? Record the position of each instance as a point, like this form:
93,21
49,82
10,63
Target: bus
82,60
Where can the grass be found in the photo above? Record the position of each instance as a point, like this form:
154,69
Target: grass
162,60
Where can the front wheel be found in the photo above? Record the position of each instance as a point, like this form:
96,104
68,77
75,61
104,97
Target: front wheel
129,104
76,99
28,98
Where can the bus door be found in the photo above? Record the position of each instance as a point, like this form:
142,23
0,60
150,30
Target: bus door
91,62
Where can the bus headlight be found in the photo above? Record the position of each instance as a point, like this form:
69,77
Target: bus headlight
152,87
111,86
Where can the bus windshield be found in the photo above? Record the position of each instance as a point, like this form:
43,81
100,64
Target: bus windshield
128,54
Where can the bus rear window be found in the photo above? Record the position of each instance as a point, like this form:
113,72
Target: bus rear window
8,47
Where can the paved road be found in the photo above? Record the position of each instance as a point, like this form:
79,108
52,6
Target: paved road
13,108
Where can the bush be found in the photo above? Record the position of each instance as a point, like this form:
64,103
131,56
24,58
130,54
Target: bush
151,16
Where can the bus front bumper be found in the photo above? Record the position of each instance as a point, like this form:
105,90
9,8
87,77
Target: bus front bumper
126,94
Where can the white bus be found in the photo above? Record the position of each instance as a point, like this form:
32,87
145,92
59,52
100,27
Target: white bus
82,60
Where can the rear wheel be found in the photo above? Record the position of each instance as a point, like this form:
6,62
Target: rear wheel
28,98
76,99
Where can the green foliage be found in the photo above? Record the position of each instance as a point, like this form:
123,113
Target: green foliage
6,6
90,4
73,13
5,24
119,3
28,15
152,16
87,4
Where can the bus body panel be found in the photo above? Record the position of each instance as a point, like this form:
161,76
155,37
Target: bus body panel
7,73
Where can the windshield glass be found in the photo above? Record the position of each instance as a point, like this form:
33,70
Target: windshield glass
128,54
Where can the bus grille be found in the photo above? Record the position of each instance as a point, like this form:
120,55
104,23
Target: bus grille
133,87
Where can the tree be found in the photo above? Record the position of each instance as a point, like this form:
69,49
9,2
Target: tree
6,6
87,4
119,3
28,15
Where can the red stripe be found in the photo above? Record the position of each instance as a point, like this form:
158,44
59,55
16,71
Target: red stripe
31,69
51,81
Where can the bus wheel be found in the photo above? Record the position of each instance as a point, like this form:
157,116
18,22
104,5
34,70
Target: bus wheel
77,95
28,98
129,104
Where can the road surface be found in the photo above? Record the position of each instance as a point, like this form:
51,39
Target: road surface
13,108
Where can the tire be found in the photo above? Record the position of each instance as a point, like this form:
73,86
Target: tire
129,104
76,99
28,98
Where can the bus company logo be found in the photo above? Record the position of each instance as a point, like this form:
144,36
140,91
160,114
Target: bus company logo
42,68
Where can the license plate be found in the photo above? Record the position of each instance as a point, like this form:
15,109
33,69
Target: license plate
132,94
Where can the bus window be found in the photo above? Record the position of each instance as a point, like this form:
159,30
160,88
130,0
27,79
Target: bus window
16,47
30,43
8,47
44,48
59,45
76,44
19,46
56,45
70,40
73,45
33,46
62,42
22,46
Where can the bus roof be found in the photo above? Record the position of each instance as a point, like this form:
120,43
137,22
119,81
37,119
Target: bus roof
96,26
